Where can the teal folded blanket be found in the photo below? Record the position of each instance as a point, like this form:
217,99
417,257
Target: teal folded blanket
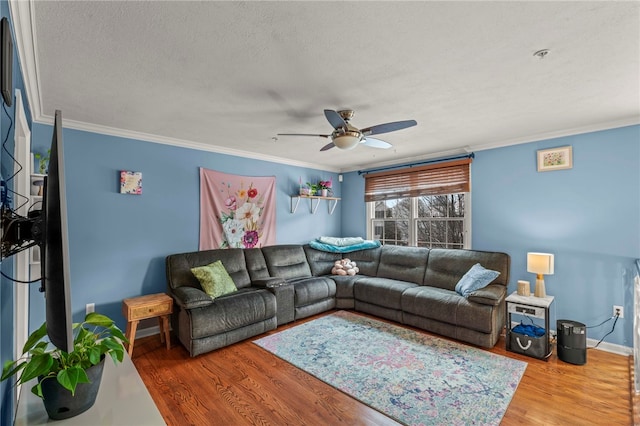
366,244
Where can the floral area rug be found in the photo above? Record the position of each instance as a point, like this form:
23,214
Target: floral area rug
409,376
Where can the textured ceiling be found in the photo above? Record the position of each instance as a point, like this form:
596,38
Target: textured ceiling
229,76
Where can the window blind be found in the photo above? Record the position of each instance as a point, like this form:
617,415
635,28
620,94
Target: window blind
433,179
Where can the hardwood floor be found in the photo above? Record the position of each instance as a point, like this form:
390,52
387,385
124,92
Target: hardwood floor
243,384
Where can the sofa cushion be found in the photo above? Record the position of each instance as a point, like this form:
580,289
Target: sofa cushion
345,284
178,267
403,263
214,279
493,295
367,260
385,292
446,266
476,278
313,289
233,311
432,302
320,262
256,265
286,261
449,307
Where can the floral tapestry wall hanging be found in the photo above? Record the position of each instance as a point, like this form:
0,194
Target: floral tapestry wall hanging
236,211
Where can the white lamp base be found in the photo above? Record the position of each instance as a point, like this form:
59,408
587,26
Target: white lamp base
540,290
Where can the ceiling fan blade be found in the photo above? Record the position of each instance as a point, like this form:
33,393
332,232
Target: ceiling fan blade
334,118
303,134
376,143
327,146
388,127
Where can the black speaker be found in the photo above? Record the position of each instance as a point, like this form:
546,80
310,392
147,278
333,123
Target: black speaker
572,342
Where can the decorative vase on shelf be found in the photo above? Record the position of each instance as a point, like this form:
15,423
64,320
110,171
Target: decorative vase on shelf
324,192
304,191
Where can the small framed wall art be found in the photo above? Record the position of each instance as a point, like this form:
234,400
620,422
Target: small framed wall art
130,182
555,159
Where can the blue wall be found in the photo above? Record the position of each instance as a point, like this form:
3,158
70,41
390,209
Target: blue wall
118,243
588,217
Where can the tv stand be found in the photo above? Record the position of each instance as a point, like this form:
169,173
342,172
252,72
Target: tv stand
122,399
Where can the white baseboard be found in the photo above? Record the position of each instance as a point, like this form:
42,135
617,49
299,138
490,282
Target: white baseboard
148,331
610,347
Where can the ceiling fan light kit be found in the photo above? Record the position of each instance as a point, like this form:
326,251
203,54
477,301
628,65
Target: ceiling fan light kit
347,140
345,136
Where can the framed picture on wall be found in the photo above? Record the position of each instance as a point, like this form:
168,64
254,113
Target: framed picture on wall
555,159
130,182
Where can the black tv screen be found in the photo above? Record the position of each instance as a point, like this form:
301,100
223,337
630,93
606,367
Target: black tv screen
6,66
55,272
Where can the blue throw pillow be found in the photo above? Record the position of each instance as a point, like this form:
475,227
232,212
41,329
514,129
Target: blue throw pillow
476,278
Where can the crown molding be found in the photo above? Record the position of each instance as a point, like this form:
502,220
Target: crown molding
23,29
147,137
632,121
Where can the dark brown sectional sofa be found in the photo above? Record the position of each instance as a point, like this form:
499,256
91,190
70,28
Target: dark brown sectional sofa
282,283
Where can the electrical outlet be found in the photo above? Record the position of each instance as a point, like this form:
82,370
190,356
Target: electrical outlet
619,310
91,307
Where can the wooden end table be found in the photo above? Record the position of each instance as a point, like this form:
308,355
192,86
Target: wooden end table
157,305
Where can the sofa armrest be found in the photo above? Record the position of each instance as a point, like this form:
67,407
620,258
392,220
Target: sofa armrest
269,282
493,294
190,297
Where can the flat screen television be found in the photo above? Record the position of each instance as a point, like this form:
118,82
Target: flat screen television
48,229
54,247
6,61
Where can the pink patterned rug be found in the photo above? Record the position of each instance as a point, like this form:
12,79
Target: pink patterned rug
409,376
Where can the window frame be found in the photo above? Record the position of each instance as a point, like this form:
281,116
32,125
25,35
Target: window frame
413,218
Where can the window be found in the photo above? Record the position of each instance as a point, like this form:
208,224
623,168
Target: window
425,207
435,221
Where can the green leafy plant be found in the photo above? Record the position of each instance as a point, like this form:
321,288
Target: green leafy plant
44,161
314,188
93,339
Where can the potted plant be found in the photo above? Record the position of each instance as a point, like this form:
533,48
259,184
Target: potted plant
325,186
44,161
68,382
313,188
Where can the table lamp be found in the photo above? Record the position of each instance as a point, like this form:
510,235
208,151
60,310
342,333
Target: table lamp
540,264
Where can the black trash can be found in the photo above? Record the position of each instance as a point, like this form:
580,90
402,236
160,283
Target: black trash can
572,342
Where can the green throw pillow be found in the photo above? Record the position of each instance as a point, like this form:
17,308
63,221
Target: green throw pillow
214,279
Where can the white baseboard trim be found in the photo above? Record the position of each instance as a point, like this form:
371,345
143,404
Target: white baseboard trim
148,331
610,347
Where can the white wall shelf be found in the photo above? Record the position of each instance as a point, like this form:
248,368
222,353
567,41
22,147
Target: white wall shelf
314,202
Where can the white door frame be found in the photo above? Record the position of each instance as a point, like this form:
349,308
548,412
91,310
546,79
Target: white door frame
22,153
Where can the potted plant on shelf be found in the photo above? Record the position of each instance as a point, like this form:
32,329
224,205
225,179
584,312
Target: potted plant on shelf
313,188
325,187
68,382
44,161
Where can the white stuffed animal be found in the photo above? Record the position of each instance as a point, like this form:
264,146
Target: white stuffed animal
345,267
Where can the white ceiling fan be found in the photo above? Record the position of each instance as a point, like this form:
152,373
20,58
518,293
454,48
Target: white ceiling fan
346,136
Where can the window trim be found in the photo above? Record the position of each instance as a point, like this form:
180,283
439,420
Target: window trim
370,213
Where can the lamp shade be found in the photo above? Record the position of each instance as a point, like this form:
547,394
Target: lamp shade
347,140
540,263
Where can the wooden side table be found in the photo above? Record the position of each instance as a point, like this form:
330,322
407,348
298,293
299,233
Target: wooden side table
150,306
